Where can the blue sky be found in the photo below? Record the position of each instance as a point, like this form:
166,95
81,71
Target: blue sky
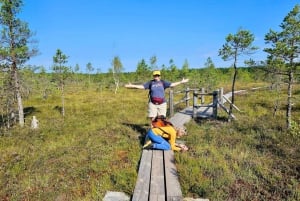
96,31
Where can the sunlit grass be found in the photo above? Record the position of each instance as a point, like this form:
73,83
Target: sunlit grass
96,148
249,159
79,156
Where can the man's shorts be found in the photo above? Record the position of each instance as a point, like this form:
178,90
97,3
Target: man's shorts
155,110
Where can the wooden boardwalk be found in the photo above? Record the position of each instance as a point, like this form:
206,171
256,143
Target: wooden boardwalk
185,115
157,177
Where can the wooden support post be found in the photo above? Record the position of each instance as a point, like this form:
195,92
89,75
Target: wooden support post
171,103
202,96
215,104
187,97
195,97
221,92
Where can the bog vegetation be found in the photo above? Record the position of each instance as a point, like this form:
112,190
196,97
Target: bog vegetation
91,128
96,146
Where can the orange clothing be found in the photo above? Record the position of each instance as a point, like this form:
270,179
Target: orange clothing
168,132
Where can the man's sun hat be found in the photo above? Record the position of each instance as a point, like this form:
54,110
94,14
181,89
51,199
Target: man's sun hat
156,72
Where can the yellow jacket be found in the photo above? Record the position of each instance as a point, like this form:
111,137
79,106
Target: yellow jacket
167,132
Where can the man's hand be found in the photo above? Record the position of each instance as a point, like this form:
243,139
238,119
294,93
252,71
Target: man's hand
128,85
134,86
184,80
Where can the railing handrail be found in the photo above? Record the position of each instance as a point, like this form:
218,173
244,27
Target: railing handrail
197,93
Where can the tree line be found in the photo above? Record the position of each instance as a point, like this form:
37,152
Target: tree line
17,47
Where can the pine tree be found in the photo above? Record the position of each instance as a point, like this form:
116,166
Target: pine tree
236,45
283,58
14,51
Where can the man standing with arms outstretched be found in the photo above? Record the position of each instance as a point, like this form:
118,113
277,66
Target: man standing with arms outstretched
157,102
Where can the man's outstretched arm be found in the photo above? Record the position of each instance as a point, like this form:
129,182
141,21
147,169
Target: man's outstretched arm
134,86
180,82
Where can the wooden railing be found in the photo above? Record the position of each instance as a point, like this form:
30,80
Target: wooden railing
197,96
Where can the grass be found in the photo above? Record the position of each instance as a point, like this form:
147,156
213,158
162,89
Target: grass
96,148
252,158
79,156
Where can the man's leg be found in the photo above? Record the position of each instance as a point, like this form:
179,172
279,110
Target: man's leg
152,112
158,141
162,109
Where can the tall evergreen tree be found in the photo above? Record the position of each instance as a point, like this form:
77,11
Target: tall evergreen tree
14,49
173,69
284,53
61,73
236,45
142,70
210,75
185,68
153,62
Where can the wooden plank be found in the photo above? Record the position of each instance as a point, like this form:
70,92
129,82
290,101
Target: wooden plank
173,190
234,106
141,190
226,110
179,119
204,112
157,184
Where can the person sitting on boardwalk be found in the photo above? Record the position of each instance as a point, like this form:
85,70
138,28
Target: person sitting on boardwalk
157,101
164,137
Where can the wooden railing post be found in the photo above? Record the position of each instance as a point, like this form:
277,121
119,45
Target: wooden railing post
221,100
215,104
187,97
202,96
195,97
171,102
